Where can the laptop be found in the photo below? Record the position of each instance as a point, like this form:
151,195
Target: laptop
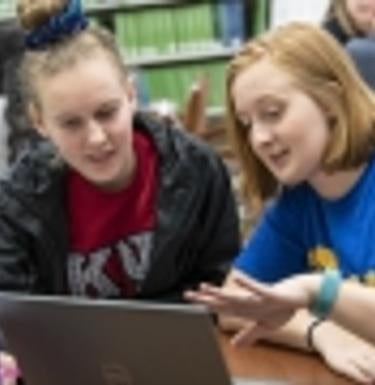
72,341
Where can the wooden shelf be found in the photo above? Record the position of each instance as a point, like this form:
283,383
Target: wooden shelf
108,6
181,57
116,5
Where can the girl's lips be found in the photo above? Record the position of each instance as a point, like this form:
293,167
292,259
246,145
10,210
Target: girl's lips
101,157
280,158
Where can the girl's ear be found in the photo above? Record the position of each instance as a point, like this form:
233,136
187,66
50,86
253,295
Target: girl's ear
36,119
131,93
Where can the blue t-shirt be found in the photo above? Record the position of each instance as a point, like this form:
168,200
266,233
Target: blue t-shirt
301,231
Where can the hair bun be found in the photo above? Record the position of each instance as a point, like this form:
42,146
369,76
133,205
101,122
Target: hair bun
34,13
48,21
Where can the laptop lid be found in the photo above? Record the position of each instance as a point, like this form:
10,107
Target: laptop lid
70,341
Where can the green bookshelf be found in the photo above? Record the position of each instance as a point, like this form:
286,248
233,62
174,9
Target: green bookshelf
169,44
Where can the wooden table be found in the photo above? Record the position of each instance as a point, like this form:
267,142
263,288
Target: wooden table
271,362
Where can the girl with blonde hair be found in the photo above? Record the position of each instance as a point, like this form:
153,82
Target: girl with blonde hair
303,125
114,203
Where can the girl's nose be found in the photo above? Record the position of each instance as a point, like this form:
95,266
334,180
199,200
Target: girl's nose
96,133
260,135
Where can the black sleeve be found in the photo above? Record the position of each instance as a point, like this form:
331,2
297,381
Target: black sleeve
15,275
214,238
197,234
219,239
16,271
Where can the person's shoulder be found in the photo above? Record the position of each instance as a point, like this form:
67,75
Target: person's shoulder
33,170
172,140
290,207
362,51
369,172
292,199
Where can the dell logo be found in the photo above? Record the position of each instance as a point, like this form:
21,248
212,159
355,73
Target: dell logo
116,374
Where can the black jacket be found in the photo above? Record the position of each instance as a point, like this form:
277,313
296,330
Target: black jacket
196,235
335,29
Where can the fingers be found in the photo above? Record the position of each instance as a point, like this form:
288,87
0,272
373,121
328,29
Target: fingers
363,367
250,334
212,295
358,365
248,283
240,303
9,371
206,294
359,374
198,296
210,299
265,291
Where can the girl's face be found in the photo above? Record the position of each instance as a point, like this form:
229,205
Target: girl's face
362,13
87,112
286,128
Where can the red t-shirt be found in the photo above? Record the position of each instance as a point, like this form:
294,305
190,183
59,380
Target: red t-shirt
111,232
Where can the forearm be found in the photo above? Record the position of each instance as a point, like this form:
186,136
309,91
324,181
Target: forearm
293,334
355,308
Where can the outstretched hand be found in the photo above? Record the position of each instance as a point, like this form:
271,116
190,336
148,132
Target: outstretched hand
267,306
9,371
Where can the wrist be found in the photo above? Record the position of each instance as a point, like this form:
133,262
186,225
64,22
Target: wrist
312,283
325,294
311,334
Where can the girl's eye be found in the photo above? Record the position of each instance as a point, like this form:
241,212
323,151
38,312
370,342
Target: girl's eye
106,114
71,124
271,114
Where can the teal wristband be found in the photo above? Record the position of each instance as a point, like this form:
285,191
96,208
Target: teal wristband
322,304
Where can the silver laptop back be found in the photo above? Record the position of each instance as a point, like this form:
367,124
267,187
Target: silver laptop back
66,341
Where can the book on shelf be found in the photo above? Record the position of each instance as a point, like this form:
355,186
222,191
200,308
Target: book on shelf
260,19
126,33
171,46
231,21
196,27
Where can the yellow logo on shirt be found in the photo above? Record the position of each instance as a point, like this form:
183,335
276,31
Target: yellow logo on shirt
321,258
369,278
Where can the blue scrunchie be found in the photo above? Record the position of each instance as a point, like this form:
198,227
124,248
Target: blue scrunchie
70,20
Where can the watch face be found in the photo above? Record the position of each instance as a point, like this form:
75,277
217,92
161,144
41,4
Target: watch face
116,374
